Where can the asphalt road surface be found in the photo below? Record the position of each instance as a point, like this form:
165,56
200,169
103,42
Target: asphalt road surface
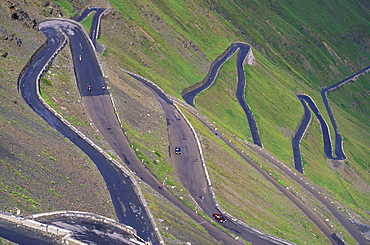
302,127
240,92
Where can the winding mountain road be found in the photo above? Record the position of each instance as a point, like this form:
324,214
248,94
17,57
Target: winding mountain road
244,56
191,170
190,93
120,186
305,121
99,106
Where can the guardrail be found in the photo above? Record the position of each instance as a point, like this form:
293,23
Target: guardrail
57,231
95,217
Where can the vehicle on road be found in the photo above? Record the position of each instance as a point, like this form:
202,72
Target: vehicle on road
80,57
219,217
103,87
177,150
89,88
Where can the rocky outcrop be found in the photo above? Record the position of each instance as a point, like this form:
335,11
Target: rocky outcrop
27,14
3,53
10,37
17,13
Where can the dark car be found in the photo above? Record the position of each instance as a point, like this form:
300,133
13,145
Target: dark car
219,217
177,150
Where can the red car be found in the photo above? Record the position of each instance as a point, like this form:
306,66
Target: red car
219,217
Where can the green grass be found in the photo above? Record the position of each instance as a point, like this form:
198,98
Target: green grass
288,43
105,53
86,23
21,196
158,166
45,81
164,54
66,7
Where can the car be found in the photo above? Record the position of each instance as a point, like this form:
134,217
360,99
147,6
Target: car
177,150
219,217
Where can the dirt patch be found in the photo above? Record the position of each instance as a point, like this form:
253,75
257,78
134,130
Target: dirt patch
348,174
286,132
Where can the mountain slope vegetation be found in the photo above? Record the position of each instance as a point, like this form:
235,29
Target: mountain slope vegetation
299,46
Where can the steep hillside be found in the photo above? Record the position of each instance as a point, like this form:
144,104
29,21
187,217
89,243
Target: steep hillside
40,170
298,47
296,50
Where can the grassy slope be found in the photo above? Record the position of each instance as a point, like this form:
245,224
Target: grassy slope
289,46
